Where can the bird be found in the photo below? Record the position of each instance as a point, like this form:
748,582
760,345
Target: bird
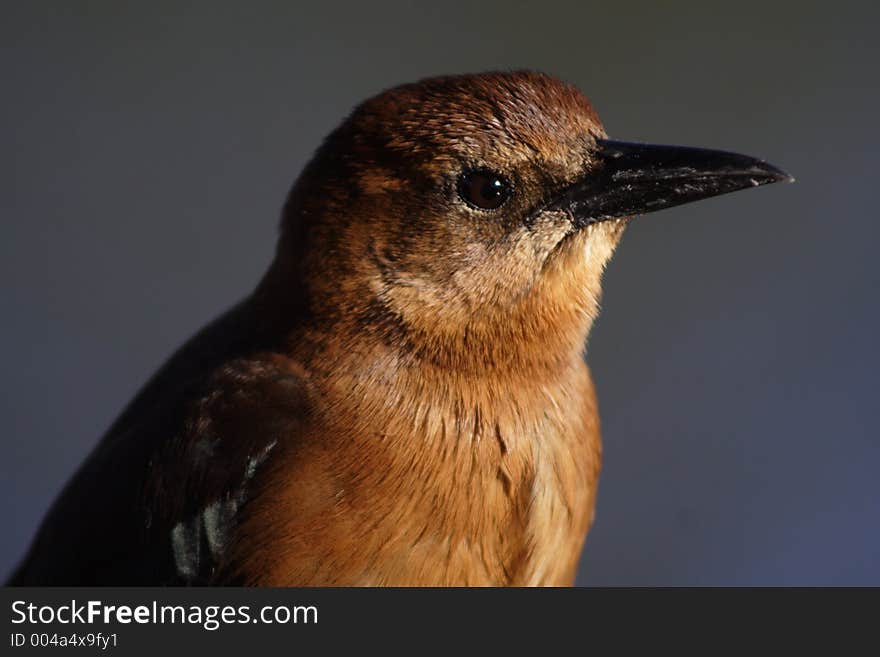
404,398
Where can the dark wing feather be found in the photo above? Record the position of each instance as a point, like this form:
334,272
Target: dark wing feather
154,501
254,410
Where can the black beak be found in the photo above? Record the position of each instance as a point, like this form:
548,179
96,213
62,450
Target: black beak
630,179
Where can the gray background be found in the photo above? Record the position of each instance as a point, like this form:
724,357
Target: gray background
146,153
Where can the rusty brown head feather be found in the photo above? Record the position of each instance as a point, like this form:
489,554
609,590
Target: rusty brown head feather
470,217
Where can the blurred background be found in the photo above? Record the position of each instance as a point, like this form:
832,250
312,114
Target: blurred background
147,151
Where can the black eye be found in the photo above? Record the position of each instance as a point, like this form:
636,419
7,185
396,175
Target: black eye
483,189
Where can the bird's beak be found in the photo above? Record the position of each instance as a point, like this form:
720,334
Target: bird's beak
629,179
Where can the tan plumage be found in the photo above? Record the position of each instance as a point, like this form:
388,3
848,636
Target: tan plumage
403,400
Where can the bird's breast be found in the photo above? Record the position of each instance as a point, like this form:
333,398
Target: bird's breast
445,486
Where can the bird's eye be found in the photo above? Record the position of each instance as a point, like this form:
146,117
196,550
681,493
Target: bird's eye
483,189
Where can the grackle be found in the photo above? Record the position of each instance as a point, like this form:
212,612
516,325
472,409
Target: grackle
403,400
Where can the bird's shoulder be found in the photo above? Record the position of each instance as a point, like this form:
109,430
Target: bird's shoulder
198,483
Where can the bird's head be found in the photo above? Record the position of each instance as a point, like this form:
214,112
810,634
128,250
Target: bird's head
470,218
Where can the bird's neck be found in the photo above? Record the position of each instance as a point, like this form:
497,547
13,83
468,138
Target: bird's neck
489,444
342,327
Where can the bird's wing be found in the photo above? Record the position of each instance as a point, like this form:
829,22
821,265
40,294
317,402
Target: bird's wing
198,485
157,498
